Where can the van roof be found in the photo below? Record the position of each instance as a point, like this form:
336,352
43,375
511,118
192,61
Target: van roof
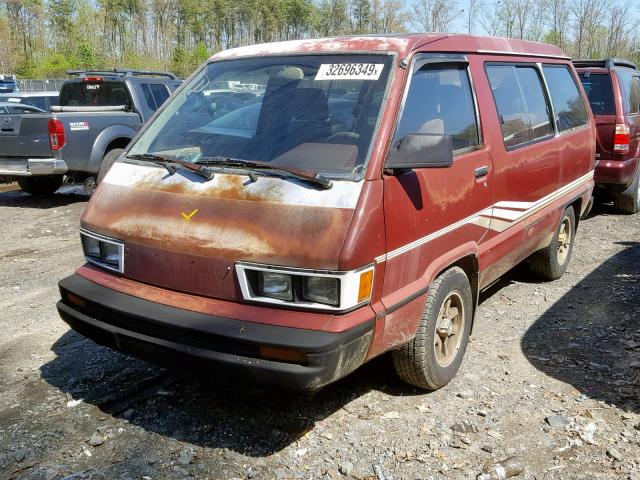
403,44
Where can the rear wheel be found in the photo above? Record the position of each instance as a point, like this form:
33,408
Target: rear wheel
40,186
435,354
551,262
107,161
629,200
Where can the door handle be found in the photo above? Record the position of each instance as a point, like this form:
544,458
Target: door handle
481,171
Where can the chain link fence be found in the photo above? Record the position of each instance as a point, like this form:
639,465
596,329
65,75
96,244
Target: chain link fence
39,85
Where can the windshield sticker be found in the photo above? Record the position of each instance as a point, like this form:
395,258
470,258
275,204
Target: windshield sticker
349,71
79,125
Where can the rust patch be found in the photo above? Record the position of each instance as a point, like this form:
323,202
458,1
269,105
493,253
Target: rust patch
227,186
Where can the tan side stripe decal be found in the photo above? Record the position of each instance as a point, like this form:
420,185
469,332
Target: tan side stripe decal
499,215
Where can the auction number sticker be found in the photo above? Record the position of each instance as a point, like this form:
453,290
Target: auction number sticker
349,71
75,126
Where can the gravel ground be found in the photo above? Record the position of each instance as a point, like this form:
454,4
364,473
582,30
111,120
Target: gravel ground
552,376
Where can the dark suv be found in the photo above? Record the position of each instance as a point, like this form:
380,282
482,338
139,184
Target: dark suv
613,88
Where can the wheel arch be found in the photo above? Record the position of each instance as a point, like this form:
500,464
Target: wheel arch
466,258
469,265
115,136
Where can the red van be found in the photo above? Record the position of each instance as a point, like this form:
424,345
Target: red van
613,89
299,208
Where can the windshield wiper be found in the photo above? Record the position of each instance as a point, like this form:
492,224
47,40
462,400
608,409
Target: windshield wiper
307,176
171,164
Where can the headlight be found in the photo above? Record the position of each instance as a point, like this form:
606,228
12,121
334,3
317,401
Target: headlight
91,247
314,289
110,253
275,285
321,290
103,251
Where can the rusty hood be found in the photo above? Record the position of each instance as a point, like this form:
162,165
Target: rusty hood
185,233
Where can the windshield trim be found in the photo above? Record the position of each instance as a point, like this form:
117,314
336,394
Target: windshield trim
353,176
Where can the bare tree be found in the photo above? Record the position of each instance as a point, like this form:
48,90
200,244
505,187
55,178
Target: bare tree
473,11
489,19
619,29
588,17
555,16
388,16
434,15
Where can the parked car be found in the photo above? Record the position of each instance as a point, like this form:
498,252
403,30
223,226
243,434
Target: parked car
613,88
19,108
98,114
296,253
43,100
8,84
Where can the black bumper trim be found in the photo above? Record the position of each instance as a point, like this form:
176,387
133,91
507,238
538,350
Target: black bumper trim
178,337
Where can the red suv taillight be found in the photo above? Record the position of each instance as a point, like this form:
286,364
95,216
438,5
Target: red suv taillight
621,138
56,134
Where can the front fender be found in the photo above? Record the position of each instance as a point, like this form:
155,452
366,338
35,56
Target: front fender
103,140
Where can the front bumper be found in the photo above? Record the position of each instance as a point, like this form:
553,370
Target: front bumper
616,172
177,338
24,167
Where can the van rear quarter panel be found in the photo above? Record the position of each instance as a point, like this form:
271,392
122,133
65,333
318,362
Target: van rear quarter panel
527,174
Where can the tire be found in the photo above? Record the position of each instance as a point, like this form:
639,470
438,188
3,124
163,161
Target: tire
629,200
551,262
40,185
418,362
107,161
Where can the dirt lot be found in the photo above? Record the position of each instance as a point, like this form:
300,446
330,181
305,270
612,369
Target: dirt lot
552,375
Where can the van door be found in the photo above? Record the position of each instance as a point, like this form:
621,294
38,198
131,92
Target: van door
526,159
435,214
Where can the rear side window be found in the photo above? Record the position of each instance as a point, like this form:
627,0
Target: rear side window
565,97
94,94
155,94
439,102
521,102
599,92
630,85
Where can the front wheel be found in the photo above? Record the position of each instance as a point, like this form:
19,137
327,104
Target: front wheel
629,200
40,185
433,357
551,262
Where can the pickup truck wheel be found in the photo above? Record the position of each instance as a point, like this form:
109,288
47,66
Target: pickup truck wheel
629,200
551,262
40,186
109,159
433,357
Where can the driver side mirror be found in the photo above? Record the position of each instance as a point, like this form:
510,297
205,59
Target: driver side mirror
420,150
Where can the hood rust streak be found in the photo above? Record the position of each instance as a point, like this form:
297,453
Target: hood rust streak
229,187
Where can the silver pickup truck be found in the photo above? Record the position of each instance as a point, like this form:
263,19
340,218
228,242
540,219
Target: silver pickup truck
99,113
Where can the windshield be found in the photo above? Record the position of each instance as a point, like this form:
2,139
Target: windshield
313,112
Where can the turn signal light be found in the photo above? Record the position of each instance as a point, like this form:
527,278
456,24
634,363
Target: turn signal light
77,301
282,354
621,138
366,285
